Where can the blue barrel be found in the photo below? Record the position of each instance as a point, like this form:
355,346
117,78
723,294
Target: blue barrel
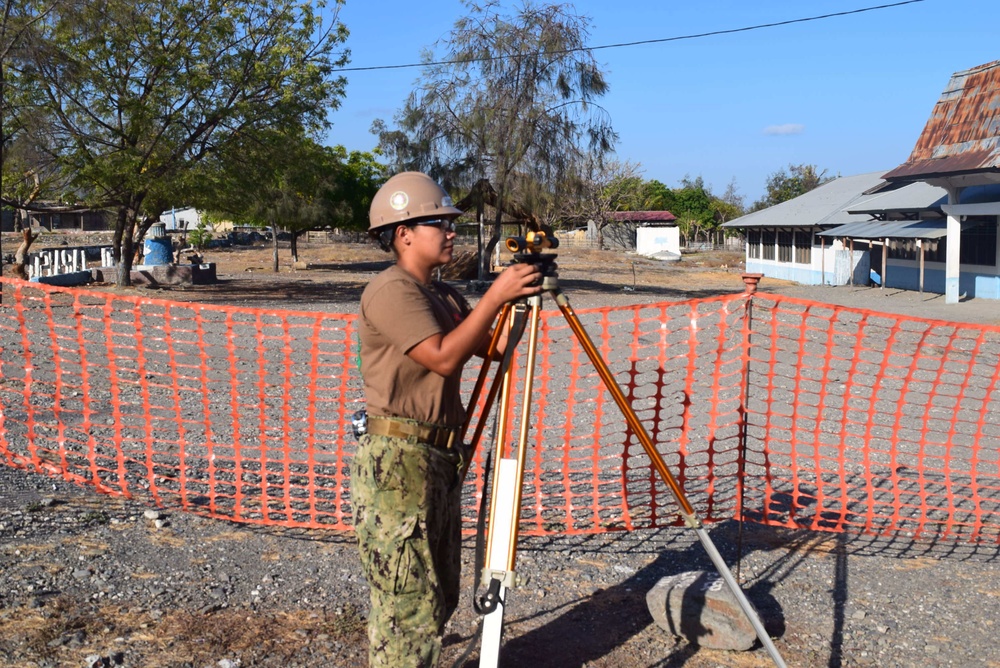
158,250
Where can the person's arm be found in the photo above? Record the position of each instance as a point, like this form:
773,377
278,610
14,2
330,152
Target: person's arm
445,354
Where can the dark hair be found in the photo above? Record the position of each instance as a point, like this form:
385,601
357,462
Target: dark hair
383,237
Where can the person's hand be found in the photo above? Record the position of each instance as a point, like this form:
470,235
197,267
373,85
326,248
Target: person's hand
523,279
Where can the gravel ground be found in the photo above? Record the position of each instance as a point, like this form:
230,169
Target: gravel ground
91,580
88,580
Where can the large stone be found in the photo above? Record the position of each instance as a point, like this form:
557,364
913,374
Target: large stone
698,606
162,274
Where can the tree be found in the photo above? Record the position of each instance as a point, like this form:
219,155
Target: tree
139,92
512,99
657,197
604,188
288,181
355,183
27,176
785,185
275,180
21,183
699,212
693,208
731,205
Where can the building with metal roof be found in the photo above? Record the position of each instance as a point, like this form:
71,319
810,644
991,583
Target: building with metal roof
930,223
960,144
795,240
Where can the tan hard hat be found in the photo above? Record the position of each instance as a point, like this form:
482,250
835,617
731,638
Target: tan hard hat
409,196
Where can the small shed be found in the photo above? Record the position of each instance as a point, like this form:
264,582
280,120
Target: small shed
181,219
653,233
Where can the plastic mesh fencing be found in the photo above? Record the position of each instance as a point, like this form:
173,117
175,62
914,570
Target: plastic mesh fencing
235,413
867,422
772,409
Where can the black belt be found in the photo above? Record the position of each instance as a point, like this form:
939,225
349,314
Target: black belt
444,438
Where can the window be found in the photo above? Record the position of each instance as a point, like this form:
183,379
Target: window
935,250
979,244
785,246
803,247
902,249
767,244
753,243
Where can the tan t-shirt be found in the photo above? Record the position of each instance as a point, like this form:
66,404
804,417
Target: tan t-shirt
397,313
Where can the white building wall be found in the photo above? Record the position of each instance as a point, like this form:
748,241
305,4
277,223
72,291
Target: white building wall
181,219
830,264
652,240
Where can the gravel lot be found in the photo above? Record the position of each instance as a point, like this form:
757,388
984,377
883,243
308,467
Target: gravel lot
90,580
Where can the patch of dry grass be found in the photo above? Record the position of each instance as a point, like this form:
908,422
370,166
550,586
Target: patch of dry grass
64,629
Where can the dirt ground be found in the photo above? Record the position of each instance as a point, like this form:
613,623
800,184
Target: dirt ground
331,275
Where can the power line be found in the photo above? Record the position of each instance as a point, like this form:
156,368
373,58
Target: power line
642,42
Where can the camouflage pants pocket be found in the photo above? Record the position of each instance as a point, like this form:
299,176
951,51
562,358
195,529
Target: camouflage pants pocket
395,562
388,483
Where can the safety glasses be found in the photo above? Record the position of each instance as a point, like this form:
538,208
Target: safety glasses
442,224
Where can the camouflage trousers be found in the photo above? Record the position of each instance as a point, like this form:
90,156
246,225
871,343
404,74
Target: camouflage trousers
407,515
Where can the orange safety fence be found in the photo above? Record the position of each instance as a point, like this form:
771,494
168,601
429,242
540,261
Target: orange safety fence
765,408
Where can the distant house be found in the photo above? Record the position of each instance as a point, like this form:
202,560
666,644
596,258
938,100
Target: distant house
55,216
185,218
646,232
929,224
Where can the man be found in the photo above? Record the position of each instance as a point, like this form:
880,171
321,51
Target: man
416,336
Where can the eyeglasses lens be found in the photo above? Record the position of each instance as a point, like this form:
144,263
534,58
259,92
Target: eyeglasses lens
443,225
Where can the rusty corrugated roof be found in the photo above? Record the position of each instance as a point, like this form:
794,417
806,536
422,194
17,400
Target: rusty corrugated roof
643,216
963,132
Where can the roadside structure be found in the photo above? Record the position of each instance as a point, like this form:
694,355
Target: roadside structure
181,219
58,217
929,224
652,233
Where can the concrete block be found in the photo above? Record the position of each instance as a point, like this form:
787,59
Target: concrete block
698,606
65,280
162,274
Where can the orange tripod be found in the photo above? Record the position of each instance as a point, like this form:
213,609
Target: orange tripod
505,497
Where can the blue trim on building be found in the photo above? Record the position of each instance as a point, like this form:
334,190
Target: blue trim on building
970,284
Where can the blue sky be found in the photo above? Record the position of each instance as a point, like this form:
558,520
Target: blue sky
849,94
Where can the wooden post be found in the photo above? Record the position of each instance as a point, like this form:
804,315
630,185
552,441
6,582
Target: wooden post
822,260
920,248
885,260
850,262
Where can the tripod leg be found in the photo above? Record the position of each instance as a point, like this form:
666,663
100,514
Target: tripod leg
505,505
503,519
687,511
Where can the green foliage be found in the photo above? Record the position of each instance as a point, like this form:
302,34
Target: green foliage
356,178
130,96
697,209
657,197
785,185
288,180
200,237
693,203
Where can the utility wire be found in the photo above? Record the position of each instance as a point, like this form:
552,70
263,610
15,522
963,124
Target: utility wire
639,43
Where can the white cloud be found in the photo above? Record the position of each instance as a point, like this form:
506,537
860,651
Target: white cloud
785,129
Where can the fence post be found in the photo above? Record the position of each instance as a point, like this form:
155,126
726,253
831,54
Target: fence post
750,282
